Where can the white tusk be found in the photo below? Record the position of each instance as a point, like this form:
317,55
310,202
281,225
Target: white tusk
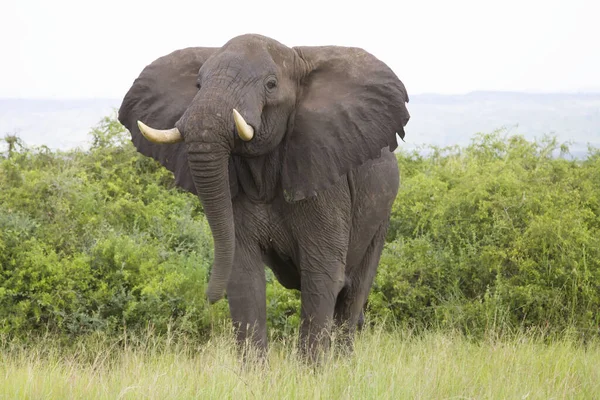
245,131
160,135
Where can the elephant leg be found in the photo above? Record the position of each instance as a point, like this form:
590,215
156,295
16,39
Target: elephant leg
351,301
246,293
322,229
361,318
318,295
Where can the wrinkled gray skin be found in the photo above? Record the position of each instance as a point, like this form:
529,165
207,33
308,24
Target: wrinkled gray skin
309,196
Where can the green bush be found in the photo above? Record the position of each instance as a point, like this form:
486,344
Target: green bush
502,234
100,241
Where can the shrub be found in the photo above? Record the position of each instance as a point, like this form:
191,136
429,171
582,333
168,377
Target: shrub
502,234
100,241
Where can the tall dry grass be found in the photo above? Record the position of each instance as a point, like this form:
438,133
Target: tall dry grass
388,365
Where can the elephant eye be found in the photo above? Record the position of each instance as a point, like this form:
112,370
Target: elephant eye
271,84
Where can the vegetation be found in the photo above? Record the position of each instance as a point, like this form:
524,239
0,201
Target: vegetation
500,237
403,366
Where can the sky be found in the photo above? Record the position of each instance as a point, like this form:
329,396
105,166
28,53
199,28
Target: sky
66,49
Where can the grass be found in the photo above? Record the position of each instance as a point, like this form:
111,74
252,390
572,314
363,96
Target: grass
385,366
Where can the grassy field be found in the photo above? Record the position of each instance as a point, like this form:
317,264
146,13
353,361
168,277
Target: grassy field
384,366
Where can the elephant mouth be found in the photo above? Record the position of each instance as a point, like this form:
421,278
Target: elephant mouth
244,130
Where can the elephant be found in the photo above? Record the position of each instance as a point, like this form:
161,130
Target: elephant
290,151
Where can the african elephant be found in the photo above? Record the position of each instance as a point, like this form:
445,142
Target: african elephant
290,153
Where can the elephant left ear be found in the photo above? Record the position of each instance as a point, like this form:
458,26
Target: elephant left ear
351,106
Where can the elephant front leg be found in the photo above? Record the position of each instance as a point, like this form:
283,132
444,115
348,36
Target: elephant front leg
319,292
246,293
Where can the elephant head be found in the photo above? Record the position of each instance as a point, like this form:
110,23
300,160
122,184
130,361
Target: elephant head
325,110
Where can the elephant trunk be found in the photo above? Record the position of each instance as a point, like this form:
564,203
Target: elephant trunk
211,178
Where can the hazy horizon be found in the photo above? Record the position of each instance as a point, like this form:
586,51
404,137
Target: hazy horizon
436,119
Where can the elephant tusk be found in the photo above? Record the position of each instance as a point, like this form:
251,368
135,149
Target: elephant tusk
245,131
160,135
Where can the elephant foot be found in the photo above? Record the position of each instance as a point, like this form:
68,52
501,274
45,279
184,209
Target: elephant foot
315,349
253,357
251,342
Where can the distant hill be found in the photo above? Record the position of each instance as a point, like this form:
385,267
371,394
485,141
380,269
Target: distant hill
453,119
435,119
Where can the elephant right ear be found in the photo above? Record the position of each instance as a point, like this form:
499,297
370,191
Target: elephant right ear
351,106
159,97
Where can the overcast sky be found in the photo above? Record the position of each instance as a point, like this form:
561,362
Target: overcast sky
88,49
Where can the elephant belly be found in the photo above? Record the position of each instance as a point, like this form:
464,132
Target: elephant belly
284,269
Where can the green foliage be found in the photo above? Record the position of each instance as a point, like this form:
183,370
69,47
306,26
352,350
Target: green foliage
100,241
502,234
283,309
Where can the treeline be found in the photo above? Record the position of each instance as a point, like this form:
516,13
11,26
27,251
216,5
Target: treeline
501,235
